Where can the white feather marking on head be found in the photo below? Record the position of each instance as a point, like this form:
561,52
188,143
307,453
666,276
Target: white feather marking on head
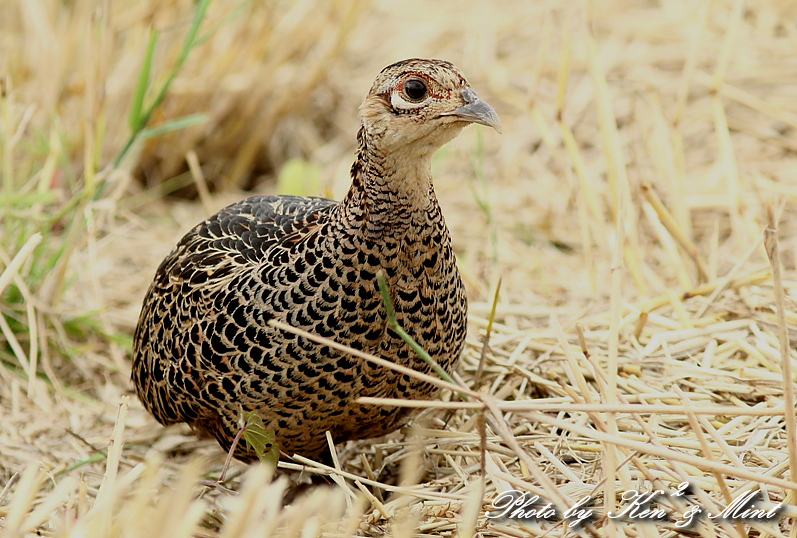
399,102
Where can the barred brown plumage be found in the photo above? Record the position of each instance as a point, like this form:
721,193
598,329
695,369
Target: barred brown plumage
203,349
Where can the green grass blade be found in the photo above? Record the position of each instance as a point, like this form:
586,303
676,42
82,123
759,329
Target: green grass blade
488,331
94,458
172,125
135,118
188,43
393,323
190,39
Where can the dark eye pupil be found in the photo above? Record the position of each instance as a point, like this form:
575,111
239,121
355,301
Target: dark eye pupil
415,89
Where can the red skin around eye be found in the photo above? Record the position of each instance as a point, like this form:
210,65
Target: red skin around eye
425,78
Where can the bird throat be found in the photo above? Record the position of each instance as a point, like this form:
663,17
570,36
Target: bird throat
390,190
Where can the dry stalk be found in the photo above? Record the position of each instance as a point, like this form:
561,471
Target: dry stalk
773,252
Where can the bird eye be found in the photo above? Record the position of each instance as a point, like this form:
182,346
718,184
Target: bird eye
414,89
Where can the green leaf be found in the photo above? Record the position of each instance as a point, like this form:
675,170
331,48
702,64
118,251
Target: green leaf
299,178
136,119
172,125
262,441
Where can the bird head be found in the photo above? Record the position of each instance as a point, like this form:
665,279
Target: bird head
419,105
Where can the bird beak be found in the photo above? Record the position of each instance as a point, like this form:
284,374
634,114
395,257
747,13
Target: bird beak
475,111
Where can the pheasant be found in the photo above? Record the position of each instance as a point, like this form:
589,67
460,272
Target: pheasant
204,352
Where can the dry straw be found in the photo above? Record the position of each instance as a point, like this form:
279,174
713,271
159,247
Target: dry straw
638,211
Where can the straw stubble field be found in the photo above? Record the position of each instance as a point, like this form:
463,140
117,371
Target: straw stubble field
640,337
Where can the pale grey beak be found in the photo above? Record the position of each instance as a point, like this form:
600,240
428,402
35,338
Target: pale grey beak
475,111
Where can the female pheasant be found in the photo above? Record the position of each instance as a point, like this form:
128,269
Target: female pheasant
203,350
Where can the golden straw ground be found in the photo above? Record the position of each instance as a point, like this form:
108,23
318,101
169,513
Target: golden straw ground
641,337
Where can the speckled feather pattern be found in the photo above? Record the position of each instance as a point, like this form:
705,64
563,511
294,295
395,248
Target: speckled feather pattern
204,352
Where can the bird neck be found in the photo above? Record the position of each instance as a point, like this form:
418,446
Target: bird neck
390,189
